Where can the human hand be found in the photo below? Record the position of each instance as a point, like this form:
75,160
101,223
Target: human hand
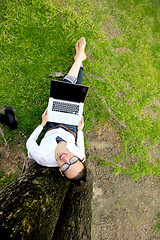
44,117
81,124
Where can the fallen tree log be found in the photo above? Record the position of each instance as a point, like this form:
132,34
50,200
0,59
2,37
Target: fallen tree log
30,206
74,222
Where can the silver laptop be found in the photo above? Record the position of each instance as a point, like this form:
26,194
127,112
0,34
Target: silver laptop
66,102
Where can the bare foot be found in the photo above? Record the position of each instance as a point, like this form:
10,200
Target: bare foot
80,46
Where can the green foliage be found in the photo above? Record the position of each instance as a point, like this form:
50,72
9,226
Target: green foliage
157,226
5,180
37,38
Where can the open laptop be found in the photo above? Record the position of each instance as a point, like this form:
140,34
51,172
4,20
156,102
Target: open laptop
66,102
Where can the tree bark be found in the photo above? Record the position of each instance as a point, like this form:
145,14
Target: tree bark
30,206
74,222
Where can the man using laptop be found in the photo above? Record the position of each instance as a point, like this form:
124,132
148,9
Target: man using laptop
58,147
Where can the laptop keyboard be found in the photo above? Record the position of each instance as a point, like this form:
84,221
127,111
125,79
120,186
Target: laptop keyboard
65,107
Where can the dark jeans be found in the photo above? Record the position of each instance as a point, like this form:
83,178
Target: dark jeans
67,127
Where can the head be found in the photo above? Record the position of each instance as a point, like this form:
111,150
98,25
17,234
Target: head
70,166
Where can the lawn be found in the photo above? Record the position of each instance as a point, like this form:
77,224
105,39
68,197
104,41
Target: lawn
122,69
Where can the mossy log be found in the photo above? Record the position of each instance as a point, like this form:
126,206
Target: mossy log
30,206
74,222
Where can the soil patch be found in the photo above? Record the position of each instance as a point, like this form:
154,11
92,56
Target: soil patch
12,159
104,141
110,28
152,110
122,209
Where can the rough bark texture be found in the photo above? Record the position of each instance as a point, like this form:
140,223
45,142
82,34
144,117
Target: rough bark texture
74,222
30,206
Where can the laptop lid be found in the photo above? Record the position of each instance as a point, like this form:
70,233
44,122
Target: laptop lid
68,91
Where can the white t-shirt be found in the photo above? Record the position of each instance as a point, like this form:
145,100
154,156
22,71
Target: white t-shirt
44,154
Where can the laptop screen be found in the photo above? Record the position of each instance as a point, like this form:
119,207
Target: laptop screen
68,91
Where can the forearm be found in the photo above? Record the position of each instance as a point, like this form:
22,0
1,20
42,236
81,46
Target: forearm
80,141
35,134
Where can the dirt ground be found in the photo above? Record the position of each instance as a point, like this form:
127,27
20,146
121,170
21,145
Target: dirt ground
12,158
122,209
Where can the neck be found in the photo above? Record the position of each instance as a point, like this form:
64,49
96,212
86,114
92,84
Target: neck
61,146
61,143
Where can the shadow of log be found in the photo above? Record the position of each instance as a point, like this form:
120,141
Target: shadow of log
75,218
30,206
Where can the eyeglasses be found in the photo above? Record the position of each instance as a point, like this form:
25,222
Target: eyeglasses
72,160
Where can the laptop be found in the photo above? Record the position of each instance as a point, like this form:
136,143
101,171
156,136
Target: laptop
66,102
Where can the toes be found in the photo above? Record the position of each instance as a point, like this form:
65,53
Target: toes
83,40
77,44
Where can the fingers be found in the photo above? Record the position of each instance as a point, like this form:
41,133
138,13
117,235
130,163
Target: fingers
81,124
82,120
44,117
46,111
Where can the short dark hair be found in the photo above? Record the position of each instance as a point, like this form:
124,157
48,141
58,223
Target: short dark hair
80,179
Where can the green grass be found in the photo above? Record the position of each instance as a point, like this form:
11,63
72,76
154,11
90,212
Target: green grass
37,38
157,226
5,180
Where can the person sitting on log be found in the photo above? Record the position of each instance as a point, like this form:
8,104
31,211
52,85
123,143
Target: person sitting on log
58,148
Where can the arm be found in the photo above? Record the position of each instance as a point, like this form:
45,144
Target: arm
38,130
80,137
44,117
80,141
32,146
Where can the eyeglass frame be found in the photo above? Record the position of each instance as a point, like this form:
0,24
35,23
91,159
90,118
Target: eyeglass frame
69,164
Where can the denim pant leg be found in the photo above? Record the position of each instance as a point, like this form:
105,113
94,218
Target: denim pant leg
80,76
78,80
67,127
